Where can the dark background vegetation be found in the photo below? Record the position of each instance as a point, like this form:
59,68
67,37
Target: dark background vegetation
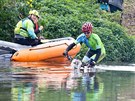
64,18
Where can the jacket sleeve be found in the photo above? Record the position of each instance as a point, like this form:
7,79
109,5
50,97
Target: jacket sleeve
70,47
30,29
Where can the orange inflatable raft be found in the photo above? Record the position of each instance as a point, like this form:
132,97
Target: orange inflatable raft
51,50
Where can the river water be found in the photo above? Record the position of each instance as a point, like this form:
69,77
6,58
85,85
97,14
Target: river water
43,81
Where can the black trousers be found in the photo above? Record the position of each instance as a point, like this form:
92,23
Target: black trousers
114,8
27,41
90,53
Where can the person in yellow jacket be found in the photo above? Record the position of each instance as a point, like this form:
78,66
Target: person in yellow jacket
26,30
96,50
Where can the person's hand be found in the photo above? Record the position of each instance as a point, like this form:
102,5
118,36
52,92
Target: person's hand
92,63
41,28
36,38
41,37
67,56
65,53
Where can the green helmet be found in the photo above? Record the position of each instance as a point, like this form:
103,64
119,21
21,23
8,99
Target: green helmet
34,12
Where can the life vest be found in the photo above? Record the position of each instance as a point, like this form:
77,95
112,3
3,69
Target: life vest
19,26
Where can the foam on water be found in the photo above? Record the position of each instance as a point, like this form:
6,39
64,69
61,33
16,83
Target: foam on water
117,68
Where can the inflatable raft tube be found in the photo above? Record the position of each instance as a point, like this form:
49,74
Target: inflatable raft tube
52,50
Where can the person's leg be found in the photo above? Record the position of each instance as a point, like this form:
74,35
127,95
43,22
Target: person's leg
22,41
34,42
114,8
88,56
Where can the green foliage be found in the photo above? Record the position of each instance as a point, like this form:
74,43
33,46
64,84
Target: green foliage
10,10
6,19
119,46
62,18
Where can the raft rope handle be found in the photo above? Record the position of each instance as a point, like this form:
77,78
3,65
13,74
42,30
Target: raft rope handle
54,40
49,47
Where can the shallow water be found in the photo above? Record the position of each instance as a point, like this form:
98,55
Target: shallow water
42,81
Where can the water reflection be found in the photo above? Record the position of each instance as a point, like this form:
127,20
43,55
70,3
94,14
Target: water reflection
52,80
88,88
41,81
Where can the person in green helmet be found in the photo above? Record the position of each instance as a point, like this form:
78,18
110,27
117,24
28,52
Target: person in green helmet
27,29
96,51
37,28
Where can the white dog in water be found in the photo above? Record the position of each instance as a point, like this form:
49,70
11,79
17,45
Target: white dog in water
76,64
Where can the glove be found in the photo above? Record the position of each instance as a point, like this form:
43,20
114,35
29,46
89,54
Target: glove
41,37
37,40
65,53
41,28
83,64
92,63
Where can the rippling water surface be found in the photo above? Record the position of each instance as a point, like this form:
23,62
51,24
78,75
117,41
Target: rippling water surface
42,81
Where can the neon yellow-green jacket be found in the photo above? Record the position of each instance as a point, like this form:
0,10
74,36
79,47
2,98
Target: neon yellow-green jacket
25,28
93,42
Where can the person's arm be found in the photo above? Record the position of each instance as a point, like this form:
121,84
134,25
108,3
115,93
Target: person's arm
98,53
78,40
93,61
68,49
30,30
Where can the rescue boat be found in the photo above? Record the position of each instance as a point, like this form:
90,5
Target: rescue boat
51,50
